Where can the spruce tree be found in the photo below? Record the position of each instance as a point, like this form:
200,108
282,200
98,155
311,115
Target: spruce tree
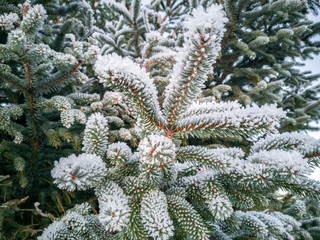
169,188
35,72
260,52
172,132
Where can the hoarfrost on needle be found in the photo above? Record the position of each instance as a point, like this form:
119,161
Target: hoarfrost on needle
78,172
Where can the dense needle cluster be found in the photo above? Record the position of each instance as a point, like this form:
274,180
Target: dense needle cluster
159,120
164,175
78,172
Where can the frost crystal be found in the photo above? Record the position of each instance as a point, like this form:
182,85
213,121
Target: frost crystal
78,172
156,149
75,221
7,20
19,163
210,20
252,223
120,66
209,158
155,216
96,106
220,207
279,160
56,230
84,96
96,135
288,222
62,59
302,143
91,53
68,117
60,103
17,40
204,32
18,137
269,220
113,204
153,36
125,134
123,72
267,116
113,97
119,152
211,107
34,16
218,202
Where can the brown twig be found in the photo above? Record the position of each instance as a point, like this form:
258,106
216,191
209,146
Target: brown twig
136,93
14,83
60,79
234,21
14,203
36,141
39,211
136,38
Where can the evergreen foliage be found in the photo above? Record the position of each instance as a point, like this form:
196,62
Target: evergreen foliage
35,73
305,210
157,120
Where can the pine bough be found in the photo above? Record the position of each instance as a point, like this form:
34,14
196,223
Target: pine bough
170,190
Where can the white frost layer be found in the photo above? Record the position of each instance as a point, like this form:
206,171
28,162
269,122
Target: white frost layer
113,203
78,172
119,151
249,117
156,149
279,160
211,107
129,74
206,29
155,216
95,138
301,142
7,20
120,66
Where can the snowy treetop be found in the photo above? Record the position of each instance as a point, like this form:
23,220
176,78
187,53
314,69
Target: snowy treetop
204,21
